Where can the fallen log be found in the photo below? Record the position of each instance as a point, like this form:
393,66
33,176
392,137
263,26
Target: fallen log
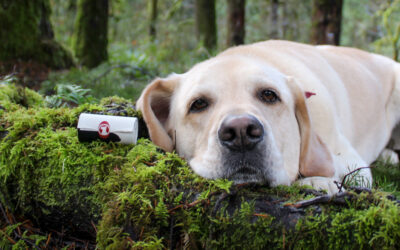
109,195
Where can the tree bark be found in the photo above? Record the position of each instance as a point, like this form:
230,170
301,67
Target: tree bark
236,22
326,21
274,19
152,9
206,27
90,35
26,34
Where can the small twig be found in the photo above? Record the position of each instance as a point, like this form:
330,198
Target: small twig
8,237
342,183
141,234
175,208
149,163
262,215
94,226
192,204
339,198
4,214
48,240
317,200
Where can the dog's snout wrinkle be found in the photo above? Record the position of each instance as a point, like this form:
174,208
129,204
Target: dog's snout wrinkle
240,132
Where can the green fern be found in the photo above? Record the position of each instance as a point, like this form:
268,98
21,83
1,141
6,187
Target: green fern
69,95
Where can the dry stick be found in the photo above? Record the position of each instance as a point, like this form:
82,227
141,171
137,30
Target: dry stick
192,204
4,214
94,226
340,187
48,240
262,215
8,237
339,198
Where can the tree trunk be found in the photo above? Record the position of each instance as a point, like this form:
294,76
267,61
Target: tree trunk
236,20
91,27
152,9
274,19
326,21
26,34
206,26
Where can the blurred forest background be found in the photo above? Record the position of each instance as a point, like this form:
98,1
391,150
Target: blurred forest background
82,50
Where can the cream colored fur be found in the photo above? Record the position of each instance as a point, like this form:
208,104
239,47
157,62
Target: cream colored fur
314,141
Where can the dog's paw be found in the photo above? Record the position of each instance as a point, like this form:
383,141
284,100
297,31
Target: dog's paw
389,156
320,183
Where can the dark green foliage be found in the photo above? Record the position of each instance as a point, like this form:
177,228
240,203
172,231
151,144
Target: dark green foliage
123,78
69,95
26,33
90,35
141,197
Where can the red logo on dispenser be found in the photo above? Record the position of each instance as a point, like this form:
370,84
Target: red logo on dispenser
104,129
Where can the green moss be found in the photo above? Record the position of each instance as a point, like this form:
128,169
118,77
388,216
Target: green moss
10,95
373,227
142,198
45,172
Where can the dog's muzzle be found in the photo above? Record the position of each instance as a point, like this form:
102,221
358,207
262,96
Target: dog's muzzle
245,157
240,132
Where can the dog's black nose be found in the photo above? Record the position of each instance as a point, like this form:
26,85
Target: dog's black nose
240,132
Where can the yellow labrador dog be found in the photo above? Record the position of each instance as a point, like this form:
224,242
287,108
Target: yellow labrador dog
277,112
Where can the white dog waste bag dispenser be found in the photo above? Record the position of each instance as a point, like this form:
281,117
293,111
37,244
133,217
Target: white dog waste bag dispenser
107,128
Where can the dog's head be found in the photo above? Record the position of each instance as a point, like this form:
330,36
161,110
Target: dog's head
236,118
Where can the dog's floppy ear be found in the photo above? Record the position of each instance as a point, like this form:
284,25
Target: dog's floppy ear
315,158
154,103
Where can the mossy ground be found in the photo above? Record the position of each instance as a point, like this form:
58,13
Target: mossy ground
136,196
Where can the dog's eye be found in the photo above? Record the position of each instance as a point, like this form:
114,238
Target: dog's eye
269,96
198,105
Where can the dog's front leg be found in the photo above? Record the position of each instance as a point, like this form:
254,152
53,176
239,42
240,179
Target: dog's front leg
350,170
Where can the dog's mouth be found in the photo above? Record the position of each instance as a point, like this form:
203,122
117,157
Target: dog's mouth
245,174
245,166
246,171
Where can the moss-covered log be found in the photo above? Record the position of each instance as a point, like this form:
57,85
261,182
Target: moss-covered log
90,35
136,196
26,34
